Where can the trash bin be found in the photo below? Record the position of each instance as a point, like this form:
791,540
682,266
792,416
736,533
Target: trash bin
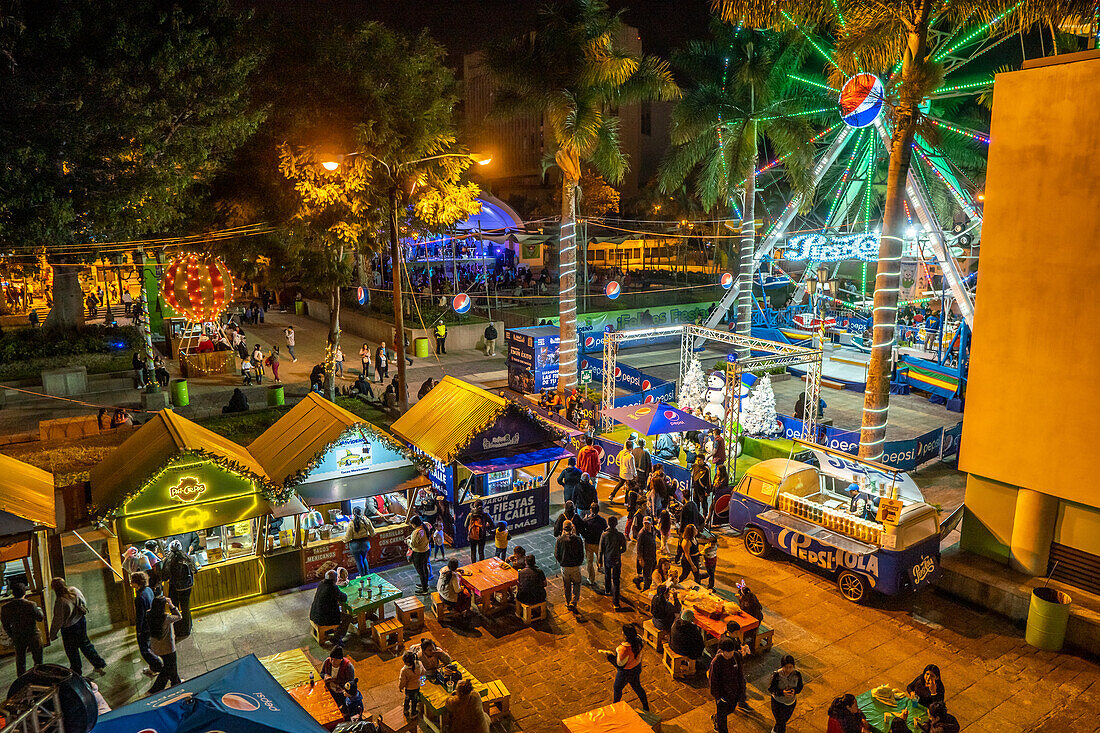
180,398
275,396
422,347
1047,617
299,307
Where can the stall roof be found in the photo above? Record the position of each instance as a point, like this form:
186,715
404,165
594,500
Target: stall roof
26,492
440,424
153,445
288,446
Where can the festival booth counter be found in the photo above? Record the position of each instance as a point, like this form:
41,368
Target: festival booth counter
483,447
336,463
174,479
26,513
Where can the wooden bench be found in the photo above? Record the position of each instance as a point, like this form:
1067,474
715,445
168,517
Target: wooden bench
677,664
394,721
497,701
410,612
764,638
439,608
389,635
529,614
320,633
653,636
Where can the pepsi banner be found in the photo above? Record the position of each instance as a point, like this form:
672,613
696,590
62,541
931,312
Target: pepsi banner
522,510
952,440
902,454
908,454
846,441
626,377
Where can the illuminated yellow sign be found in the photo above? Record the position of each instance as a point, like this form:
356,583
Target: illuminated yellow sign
187,490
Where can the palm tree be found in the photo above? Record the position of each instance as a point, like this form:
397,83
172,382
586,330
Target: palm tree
739,95
873,35
574,71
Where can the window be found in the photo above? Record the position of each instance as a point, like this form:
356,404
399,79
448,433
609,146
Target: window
600,255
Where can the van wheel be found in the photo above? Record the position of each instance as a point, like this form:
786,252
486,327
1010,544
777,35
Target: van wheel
756,543
852,586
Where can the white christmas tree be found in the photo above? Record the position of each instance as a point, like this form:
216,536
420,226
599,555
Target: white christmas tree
758,411
693,392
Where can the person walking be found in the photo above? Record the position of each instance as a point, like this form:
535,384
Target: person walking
627,471
592,528
584,495
568,515
19,618
688,553
70,609
288,333
364,358
381,365
627,659
179,570
258,364
646,554
490,339
143,601
440,338
162,618
727,683
784,687
569,552
420,545
612,547
478,526
273,360
338,357
358,537
588,461
643,465
569,478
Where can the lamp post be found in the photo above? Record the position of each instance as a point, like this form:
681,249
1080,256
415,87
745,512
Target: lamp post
395,251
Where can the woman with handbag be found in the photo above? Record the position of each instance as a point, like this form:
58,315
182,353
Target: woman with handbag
69,611
627,659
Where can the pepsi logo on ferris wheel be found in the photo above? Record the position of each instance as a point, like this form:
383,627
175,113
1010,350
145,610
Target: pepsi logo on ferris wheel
861,100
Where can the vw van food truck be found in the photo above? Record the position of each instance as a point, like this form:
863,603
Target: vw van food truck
890,543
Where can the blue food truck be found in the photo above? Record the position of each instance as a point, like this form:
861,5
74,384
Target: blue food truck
870,541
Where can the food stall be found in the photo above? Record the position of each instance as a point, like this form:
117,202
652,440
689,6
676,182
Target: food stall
26,512
174,479
336,462
532,358
486,447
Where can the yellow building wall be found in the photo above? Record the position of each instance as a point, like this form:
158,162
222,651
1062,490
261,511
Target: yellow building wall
1078,527
1033,406
990,511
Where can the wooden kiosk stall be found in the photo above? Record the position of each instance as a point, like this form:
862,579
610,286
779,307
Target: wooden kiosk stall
336,462
174,479
484,447
26,513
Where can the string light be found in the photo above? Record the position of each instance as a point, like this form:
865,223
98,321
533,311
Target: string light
976,136
977,31
970,210
813,83
813,43
962,87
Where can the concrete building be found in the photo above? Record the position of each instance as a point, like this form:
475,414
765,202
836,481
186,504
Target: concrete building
1033,406
518,145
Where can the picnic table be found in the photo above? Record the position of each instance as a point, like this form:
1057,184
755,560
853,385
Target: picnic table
615,718
488,579
435,697
318,702
879,714
289,668
715,627
369,606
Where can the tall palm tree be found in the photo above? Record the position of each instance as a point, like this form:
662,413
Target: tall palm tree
574,71
873,35
739,98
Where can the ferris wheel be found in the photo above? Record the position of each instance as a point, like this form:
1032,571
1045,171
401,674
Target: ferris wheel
855,142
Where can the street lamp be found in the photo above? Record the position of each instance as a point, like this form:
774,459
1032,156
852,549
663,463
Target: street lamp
332,165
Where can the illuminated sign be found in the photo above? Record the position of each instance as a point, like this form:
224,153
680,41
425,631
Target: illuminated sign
819,248
187,490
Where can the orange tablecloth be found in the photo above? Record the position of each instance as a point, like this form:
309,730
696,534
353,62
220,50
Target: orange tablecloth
615,718
488,577
717,626
289,668
318,702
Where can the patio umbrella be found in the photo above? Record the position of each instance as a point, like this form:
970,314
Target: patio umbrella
239,697
657,419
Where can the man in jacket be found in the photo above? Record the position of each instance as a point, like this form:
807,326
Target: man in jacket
327,608
569,552
531,583
611,549
143,601
20,618
569,515
569,478
666,448
647,554
588,461
440,338
179,569
585,493
727,682
490,339
643,464
685,637
627,470
592,528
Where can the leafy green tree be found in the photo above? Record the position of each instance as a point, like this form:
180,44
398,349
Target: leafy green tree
574,70
874,36
739,97
116,114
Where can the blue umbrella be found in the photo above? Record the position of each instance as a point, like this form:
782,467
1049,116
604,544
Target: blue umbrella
239,697
657,418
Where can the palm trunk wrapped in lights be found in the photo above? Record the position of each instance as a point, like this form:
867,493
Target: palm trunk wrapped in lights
569,163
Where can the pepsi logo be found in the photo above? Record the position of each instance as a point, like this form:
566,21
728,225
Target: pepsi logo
589,341
612,290
727,280
462,303
670,414
239,701
361,295
650,399
584,363
618,372
645,384
861,100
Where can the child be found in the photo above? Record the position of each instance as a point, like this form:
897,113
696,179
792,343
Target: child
353,700
409,682
437,541
518,558
710,560
502,540
665,527
246,371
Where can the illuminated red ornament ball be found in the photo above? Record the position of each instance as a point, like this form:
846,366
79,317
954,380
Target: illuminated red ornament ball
197,286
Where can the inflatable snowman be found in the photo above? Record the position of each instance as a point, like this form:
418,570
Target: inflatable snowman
714,407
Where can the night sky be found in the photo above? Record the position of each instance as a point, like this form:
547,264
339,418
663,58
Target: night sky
464,26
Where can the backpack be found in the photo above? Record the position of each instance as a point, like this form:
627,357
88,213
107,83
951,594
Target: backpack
181,577
476,529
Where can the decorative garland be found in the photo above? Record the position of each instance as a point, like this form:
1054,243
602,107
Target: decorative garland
422,463
513,409
268,490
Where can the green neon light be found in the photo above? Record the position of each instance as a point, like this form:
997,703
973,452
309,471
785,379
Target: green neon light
813,83
813,43
977,31
961,87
